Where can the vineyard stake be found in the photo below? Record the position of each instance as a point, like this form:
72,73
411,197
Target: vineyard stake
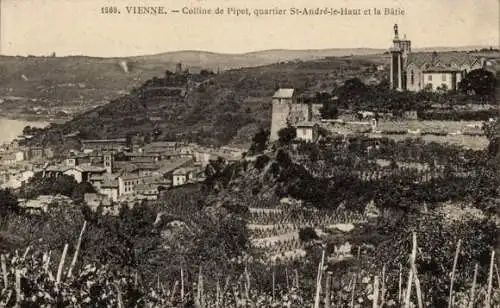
274,282
18,288
410,276
318,280
77,250
375,292
490,280
498,276
327,289
473,288
353,289
4,273
182,285
400,283
61,264
455,260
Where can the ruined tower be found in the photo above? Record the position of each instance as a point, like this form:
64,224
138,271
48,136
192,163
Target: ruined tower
286,111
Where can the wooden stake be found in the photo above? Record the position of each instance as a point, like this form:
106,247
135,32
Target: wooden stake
498,275
77,250
328,284
473,288
297,279
490,280
375,292
182,285
318,280
410,276
286,276
383,291
4,273
455,260
415,272
18,288
274,282
400,283
217,297
174,291
353,290
61,264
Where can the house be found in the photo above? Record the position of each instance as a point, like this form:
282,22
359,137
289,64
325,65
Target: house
428,70
106,184
83,173
307,131
127,183
182,176
104,145
95,200
147,192
17,180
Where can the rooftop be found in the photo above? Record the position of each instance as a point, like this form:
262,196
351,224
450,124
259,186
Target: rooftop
284,93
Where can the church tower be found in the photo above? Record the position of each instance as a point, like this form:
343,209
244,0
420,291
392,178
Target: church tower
399,55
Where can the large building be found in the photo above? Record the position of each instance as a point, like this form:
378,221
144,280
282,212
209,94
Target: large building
286,111
428,70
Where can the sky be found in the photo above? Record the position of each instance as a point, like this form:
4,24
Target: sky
76,27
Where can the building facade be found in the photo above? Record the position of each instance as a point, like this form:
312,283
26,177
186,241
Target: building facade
430,71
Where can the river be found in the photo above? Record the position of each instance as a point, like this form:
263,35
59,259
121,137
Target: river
10,129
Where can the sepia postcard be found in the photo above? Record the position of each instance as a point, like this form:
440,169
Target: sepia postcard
231,153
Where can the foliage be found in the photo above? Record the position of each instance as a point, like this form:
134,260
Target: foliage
259,142
329,111
307,234
261,161
41,185
8,203
480,81
287,135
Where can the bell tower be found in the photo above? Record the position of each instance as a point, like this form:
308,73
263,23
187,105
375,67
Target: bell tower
399,54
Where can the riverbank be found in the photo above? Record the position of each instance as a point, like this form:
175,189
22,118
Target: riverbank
11,128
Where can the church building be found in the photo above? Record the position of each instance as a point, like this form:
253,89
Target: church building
428,70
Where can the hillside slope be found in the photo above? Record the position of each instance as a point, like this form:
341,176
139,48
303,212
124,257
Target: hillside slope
212,109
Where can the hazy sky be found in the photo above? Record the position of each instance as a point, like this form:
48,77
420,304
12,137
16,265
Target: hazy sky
76,27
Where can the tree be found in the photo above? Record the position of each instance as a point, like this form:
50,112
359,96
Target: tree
80,190
480,82
259,141
8,203
329,111
287,135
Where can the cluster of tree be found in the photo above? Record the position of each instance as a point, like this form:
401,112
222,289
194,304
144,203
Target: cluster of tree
479,85
63,185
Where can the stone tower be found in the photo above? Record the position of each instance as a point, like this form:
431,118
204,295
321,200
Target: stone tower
108,162
286,111
399,54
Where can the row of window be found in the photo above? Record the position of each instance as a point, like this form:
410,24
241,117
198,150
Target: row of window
429,77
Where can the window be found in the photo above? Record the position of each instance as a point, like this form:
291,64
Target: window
429,78
443,77
412,78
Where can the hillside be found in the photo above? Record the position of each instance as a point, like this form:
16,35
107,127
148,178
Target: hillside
215,109
44,86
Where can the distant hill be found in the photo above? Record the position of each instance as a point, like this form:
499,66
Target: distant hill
48,86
